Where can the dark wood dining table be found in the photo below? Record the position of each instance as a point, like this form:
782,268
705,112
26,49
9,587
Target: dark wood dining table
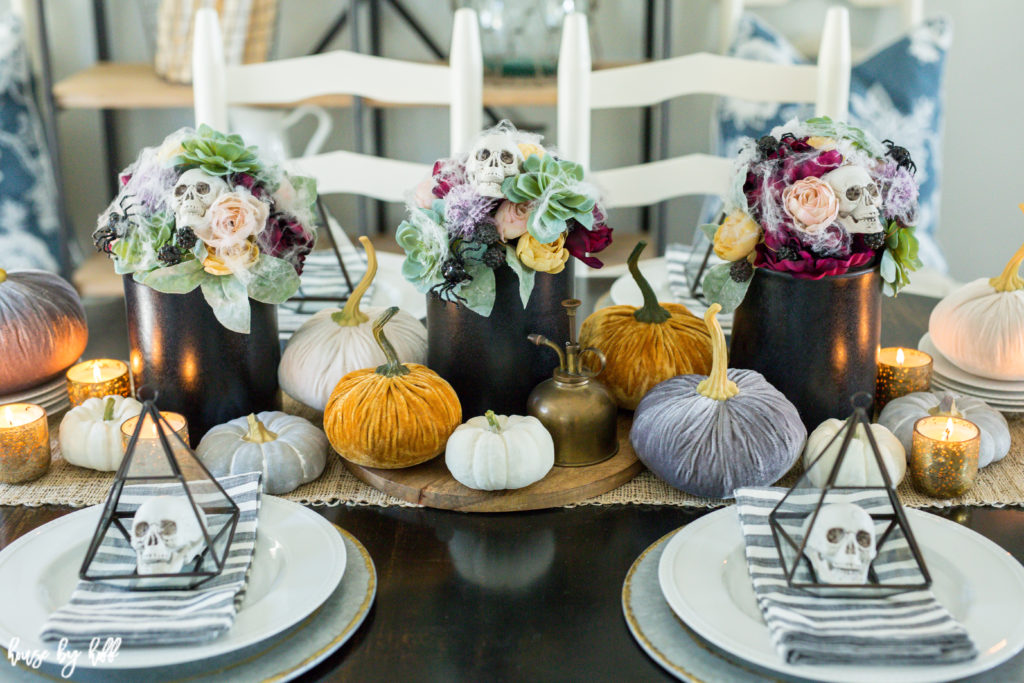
538,597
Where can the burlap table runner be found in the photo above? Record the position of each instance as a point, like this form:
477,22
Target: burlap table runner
999,484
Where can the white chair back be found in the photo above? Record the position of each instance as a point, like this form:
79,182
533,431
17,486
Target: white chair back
580,90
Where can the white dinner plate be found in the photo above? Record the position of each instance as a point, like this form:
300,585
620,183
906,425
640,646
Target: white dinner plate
299,561
988,395
945,367
46,391
703,575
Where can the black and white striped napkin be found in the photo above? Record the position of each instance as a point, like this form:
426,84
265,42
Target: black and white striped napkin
682,262
910,628
142,618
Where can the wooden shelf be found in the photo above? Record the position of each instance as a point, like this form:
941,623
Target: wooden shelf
117,85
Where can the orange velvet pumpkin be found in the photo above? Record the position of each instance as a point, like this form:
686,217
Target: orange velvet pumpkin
646,345
393,416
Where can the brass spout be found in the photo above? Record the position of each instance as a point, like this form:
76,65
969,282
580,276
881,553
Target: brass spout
541,340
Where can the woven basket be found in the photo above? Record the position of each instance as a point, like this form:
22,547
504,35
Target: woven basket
247,27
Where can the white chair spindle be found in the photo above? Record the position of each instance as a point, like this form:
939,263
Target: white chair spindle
574,90
834,64
208,71
467,81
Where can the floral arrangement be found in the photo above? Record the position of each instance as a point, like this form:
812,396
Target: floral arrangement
509,201
203,210
814,199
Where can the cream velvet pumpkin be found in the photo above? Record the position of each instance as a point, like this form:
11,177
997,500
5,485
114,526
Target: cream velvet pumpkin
493,452
980,327
859,467
335,342
289,450
90,434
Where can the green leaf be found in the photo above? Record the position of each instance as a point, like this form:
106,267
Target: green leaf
179,279
709,230
525,275
720,288
888,266
480,291
527,185
533,163
586,219
543,228
229,300
272,280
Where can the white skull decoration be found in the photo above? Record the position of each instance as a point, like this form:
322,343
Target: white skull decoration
193,195
859,199
494,158
165,535
841,545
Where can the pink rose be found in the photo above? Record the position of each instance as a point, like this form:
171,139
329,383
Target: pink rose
424,193
511,219
233,218
811,204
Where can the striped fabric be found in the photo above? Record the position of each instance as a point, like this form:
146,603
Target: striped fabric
909,628
321,276
143,618
682,262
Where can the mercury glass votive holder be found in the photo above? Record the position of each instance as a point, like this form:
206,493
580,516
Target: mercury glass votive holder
24,443
944,455
901,372
97,379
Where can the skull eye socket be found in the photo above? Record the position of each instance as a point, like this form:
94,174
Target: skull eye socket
872,190
863,539
202,188
834,535
180,190
853,193
483,154
168,527
141,528
506,157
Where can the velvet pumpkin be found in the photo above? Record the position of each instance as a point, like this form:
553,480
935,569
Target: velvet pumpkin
397,415
42,328
859,466
646,345
710,435
334,342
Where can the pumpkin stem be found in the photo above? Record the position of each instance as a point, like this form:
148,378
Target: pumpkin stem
493,420
258,432
651,312
717,385
350,316
1010,280
392,368
3,275
947,406
108,405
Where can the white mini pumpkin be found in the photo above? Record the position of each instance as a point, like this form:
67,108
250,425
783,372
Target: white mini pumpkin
859,467
90,434
900,415
492,452
289,450
980,327
335,342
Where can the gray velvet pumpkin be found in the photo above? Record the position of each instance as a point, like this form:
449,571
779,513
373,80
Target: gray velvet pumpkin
42,328
708,436
900,415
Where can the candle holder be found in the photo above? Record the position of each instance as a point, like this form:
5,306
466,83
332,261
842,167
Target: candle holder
98,378
901,372
944,455
24,443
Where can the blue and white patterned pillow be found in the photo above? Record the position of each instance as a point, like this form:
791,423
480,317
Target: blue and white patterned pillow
896,93
29,226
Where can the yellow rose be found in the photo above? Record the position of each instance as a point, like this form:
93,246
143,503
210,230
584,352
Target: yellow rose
821,142
527,148
737,236
544,258
232,259
169,150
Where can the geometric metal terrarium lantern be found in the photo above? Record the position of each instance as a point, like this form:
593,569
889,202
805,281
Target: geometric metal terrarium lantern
837,540
167,524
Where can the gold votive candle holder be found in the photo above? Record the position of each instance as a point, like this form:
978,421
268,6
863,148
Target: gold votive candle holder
24,443
97,379
900,372
944,455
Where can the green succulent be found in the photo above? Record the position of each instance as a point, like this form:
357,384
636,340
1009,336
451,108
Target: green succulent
899,258
218,154
554,185
837,130
425,241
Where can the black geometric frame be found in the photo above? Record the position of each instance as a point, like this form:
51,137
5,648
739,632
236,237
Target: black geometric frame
112,516
896,519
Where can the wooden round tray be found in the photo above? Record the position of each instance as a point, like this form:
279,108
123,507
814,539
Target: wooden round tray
431,484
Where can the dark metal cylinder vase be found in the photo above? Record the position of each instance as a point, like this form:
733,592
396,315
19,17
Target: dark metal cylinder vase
816,341
488,361
200,368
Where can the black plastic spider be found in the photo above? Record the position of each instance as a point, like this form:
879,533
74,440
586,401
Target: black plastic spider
767,146
453,270
900,155
105,236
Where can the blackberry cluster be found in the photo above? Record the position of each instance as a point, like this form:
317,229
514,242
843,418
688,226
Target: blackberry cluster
875,240
741,271
486,233
787,254
186,238
494,257
169,254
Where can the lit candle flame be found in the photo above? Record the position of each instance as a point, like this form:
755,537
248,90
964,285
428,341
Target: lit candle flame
948,431
8,415
899,356
97,372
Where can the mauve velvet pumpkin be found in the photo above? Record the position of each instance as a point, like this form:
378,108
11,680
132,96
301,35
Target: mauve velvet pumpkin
42,328
707,447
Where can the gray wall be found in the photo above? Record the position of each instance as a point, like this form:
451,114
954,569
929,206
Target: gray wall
983,144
